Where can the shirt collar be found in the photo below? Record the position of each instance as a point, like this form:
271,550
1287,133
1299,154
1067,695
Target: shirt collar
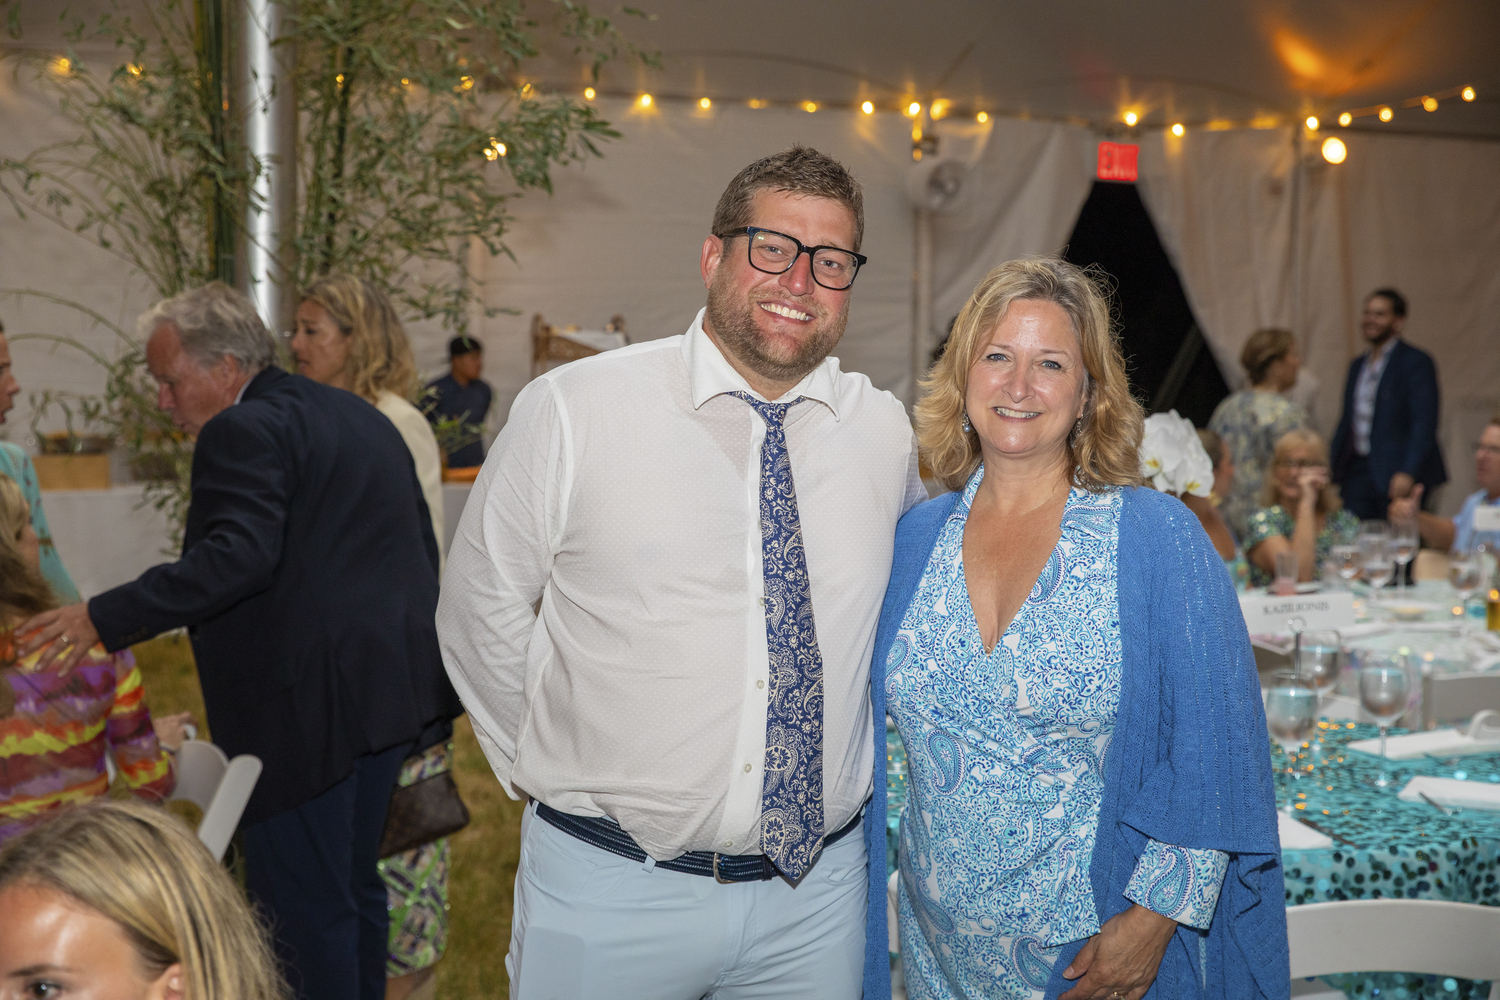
710,374
241,394
1378,356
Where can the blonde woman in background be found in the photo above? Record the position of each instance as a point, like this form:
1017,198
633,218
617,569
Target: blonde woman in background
349,336
1252,420
1300,511
120,900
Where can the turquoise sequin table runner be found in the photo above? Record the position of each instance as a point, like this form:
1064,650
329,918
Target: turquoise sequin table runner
1398,849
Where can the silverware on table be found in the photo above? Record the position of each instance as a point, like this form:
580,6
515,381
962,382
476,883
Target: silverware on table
1438,806
1325,832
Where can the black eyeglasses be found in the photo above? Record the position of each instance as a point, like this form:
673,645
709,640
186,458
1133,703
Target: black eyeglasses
775,253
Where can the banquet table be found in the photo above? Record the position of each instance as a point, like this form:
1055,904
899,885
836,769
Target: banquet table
1382,847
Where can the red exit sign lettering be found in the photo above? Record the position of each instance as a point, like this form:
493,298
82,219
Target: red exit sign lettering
1117,161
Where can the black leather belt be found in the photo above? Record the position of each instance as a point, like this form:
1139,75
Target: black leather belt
605,834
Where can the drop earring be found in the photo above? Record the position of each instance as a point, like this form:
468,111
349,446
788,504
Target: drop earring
968,427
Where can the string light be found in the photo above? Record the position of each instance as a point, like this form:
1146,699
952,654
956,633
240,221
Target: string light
981,118
1177,130
1131,118
1334,150
134,69
588,93
645,101
867,108
705,103
1386,114
1429,103
62,64
939,109
491,153
913,109
1312,123
757,103
1467,93
809,106
1345,119
465,83
340,79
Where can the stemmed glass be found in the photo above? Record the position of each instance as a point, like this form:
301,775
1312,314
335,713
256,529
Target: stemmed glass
1383,687
1291,715
1319,663
1375,558
1346,555
1465,574
1403,550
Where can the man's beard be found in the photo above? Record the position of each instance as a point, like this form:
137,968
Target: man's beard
734,325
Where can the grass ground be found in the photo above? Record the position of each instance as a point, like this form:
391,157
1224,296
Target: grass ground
485,854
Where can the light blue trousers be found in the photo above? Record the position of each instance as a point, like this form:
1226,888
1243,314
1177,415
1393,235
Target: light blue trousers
590,924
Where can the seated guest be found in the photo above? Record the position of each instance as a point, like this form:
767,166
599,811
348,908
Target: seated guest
1252,420
116,899
464,395
349,336
1045,618
1226,543
16,464
55,730
1301,511
1458,532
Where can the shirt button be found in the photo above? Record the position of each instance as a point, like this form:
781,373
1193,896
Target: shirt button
748,768
760,684
728,843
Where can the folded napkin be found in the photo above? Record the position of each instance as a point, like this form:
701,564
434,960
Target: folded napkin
1438,743
1452,792
1296,837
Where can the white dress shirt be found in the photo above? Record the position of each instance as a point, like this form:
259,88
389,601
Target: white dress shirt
1364,394
600,615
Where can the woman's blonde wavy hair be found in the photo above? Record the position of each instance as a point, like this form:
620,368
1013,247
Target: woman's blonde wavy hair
142,868
1103,446
23,591
380,356
1329,499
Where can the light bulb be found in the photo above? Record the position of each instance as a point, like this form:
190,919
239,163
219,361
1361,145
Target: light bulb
1345,118
1386,114
1312,123
491,153
1429,104
1177,130
645,101
867,108
939,109
981,118
757,103
705,103
499,147
913,109
1334,150
1468,94
588,93
1131,118
809,106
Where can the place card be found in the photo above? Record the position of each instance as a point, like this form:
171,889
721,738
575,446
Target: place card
1487,517
1269,615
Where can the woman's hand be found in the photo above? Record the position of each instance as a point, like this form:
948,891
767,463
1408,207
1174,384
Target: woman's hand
1310,483
70,625
1120,962
171,730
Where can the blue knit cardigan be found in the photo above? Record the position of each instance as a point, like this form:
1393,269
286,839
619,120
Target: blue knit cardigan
1188,764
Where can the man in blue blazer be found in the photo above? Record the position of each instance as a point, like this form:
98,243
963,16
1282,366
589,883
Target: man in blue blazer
308,581
1386,440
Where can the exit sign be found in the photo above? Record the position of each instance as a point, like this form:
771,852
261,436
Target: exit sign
1117,161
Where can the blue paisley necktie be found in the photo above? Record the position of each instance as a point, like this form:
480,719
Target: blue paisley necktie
791,824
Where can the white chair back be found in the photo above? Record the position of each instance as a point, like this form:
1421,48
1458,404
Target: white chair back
219,786
1424,936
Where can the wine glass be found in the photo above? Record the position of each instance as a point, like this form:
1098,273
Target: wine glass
1318,662
1374,529
1375,559
1465,574
1346,555
1403,550
1383,687
1291,715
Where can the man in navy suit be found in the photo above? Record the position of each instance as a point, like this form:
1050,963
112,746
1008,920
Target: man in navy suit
308,581
1386,440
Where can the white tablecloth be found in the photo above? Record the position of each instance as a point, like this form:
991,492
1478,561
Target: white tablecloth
109,537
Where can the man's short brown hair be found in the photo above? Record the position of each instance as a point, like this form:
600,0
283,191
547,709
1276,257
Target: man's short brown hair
800,170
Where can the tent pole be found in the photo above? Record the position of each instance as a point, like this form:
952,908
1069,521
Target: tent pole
921,319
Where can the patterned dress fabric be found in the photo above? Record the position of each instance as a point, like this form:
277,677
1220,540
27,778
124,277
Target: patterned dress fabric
1339,528
791,826
1006,756
54,732
416,883
16,464
1251,422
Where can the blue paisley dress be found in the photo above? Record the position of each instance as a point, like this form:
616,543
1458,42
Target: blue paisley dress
1006,754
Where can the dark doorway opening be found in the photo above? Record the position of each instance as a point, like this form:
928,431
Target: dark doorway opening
1170,366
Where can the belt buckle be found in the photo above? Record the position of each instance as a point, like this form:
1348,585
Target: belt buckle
717,877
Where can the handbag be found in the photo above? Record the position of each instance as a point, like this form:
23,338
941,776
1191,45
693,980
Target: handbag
422,812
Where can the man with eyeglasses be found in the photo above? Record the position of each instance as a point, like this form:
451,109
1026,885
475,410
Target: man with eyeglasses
1461,531
660,610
